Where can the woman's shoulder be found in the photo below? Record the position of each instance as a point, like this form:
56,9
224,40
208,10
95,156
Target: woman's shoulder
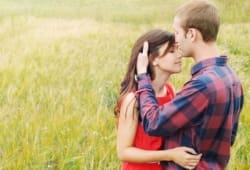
127,105
128,98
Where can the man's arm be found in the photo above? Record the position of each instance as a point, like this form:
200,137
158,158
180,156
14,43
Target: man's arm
184,110
236,118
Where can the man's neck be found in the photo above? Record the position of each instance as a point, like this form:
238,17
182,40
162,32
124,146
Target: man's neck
205,51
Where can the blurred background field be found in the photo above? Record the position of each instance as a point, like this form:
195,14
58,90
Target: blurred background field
61,63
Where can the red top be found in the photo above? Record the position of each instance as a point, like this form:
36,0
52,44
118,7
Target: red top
144,141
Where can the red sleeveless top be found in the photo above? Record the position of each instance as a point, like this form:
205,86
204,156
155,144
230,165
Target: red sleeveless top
144,141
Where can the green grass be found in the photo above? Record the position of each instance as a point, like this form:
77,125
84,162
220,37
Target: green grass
61,63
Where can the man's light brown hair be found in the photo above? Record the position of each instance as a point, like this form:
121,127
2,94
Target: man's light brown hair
201,15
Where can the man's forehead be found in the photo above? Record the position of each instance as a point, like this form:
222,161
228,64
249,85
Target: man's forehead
177,21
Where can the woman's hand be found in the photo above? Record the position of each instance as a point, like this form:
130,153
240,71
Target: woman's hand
185,157
142,60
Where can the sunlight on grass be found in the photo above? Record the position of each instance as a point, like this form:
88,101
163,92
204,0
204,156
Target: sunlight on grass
61,65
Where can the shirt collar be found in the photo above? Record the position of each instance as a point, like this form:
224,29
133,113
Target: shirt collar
219,61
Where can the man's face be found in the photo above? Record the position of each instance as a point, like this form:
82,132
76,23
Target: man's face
182,41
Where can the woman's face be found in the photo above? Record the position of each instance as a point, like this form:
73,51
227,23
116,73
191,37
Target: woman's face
170,62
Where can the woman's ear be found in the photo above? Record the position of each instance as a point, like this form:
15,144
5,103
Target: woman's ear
155,61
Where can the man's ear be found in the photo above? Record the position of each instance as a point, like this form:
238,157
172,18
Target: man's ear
192,34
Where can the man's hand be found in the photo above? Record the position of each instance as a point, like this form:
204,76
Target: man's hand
142,61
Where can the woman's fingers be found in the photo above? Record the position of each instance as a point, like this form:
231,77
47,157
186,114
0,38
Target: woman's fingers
194,157
142,60
190,150
191,160
187,157
145,49
191,165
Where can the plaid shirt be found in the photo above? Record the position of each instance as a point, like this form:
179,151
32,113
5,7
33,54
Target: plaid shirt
204,114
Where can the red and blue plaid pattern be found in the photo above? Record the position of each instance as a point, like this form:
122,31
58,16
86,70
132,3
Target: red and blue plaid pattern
204,115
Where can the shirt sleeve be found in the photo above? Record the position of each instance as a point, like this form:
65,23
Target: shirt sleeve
183,111
239,104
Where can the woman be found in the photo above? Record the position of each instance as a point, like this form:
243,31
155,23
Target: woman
135,148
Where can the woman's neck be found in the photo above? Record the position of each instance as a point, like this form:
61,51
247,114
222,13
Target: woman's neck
159,84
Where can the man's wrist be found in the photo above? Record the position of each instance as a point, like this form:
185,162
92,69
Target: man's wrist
140,76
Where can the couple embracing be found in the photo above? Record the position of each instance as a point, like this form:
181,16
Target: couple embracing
194,128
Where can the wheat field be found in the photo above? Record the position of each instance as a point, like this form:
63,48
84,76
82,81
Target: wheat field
61,64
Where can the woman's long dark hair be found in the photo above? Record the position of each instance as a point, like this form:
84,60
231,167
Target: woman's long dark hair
156,38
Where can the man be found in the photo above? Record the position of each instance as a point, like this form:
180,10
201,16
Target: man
205,113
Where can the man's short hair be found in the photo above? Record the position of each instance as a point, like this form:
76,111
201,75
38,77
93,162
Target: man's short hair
201,15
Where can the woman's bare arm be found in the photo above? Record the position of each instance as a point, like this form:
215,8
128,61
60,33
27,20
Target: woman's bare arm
128,122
